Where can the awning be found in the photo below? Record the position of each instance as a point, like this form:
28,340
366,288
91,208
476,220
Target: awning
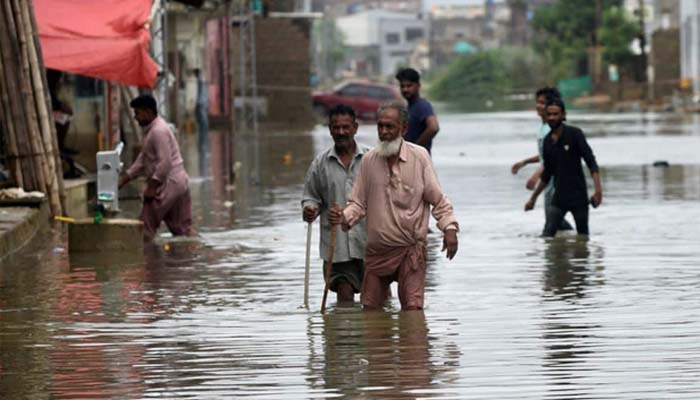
105,39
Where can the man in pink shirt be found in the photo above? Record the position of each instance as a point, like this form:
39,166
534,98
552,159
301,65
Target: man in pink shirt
394,190
167,194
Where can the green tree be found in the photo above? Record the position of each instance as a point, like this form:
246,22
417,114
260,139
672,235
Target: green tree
616,34
564,31
474,80
330,46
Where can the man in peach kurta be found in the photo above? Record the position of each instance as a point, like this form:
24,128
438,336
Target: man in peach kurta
167,194
395,190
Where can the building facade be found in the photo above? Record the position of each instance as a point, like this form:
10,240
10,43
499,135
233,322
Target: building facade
381,41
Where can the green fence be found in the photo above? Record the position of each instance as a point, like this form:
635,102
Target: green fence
575,87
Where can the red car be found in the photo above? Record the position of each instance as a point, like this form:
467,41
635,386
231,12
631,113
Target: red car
363,96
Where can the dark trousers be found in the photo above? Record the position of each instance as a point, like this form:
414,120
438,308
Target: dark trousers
201,113
555,216
548,197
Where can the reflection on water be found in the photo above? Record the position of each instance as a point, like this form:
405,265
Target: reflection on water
568,265
569,270
380,355
512,317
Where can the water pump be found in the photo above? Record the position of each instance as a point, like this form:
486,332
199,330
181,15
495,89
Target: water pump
109,166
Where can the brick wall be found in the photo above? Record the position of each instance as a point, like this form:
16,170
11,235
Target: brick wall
284,69
666,60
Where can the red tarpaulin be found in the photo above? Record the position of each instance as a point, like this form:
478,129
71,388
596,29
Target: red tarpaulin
104,39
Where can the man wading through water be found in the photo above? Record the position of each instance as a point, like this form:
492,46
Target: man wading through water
541,97
167,194
395,189
329,181
563,149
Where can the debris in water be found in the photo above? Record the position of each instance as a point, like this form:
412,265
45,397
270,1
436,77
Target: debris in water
287,158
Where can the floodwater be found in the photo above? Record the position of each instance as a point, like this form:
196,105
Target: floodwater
513,316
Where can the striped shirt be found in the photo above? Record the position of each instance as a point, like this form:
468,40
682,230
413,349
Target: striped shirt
328,182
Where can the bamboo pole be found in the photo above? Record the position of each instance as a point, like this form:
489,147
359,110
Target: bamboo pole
52,126
37,150
6,87
329,267
28,95
12,155
10,55
40,92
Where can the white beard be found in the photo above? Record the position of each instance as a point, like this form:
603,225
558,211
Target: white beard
387,149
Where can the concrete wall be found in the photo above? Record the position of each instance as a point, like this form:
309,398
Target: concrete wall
665,58
667,14
190,42
690,43
393,34
358,30
395,54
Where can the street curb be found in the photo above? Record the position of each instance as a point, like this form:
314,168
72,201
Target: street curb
19,225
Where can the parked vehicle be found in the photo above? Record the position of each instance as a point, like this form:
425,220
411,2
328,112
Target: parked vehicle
363,96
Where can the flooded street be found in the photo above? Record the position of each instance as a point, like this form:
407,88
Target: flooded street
513,316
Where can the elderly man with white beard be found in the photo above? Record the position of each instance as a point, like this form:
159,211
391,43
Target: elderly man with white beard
394,190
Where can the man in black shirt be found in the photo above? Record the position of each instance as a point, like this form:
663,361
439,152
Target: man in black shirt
563,149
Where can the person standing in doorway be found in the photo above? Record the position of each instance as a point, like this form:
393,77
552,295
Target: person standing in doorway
422,122
541,97
563,149
167,194
62,115
329,181
201,111
396,191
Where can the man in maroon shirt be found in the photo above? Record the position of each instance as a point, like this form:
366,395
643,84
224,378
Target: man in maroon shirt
167,194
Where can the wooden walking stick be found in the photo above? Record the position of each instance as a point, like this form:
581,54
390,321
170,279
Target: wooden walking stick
308,264
329,268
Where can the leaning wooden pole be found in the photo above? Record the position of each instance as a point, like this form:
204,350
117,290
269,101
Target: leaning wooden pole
10,55
8,126
28,123
54,178
27,97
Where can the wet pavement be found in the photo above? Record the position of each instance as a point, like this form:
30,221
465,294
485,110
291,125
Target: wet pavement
512,317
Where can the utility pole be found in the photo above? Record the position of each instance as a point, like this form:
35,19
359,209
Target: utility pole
230,139
642,42
247,68
596,45
159,39
244,20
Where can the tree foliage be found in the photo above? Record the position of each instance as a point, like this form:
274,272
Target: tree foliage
616,34
563,32
488,76
330,46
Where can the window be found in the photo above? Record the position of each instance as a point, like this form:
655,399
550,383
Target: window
379,93
413,34
392,38
351,91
